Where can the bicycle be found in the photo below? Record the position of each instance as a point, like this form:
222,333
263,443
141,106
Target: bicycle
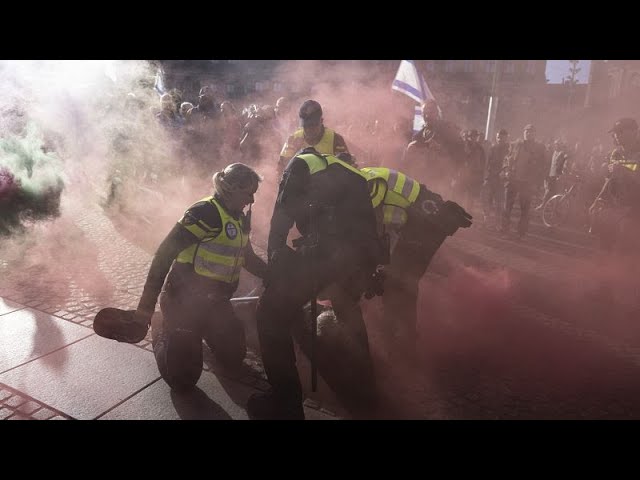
558,208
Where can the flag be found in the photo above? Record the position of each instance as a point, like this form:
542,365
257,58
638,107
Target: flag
418,121
413,85
159,82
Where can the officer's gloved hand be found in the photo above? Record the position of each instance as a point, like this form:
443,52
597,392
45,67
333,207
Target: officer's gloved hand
142,318
137,329
130,326
452,216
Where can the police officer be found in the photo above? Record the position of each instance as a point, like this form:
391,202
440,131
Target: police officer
419,221
203,255
616,210
329,202
312,133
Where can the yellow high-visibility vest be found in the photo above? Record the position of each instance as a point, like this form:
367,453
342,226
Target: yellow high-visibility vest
217,255
317,163
394,190
633,166
325,145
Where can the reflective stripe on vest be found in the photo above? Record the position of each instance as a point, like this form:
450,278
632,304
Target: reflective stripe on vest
325,145
200,228
218,257
400,192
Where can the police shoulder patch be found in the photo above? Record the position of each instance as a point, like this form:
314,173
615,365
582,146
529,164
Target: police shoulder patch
430,207
231,230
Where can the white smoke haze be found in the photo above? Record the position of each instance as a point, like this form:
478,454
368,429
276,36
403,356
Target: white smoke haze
79,123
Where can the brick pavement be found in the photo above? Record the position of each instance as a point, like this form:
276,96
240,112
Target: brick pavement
17,406
112,274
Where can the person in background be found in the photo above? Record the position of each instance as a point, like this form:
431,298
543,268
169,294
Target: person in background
312,133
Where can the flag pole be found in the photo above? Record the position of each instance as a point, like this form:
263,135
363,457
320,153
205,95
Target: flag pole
493,104
491,118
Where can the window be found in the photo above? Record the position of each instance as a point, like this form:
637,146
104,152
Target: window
449,66
230,88
489,66
531,67
430,66
611,83
278,87
468,66
509,66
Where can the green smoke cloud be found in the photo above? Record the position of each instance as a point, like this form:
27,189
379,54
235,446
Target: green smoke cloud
31,180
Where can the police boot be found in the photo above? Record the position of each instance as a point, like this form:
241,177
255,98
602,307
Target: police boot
269,406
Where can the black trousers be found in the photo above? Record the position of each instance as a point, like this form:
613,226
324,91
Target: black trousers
493,193
297,277
524,192
187,319
409,262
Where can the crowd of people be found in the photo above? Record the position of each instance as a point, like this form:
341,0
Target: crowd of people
365,228
488,177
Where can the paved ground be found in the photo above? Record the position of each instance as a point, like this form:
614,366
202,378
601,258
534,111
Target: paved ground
53,366
508,329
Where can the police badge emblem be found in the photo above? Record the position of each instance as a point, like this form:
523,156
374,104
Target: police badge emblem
231,230
430,207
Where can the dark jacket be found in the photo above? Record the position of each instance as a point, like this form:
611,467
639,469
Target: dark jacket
526,162
345,216
495,161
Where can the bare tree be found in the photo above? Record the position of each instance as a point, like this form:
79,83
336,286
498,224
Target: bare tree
571,80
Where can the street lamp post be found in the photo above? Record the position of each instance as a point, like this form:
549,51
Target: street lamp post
493,103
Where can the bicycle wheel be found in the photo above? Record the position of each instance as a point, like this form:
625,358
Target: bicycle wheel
555,211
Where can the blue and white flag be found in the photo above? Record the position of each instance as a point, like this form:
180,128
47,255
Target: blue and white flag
418,121
413,85
159,82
